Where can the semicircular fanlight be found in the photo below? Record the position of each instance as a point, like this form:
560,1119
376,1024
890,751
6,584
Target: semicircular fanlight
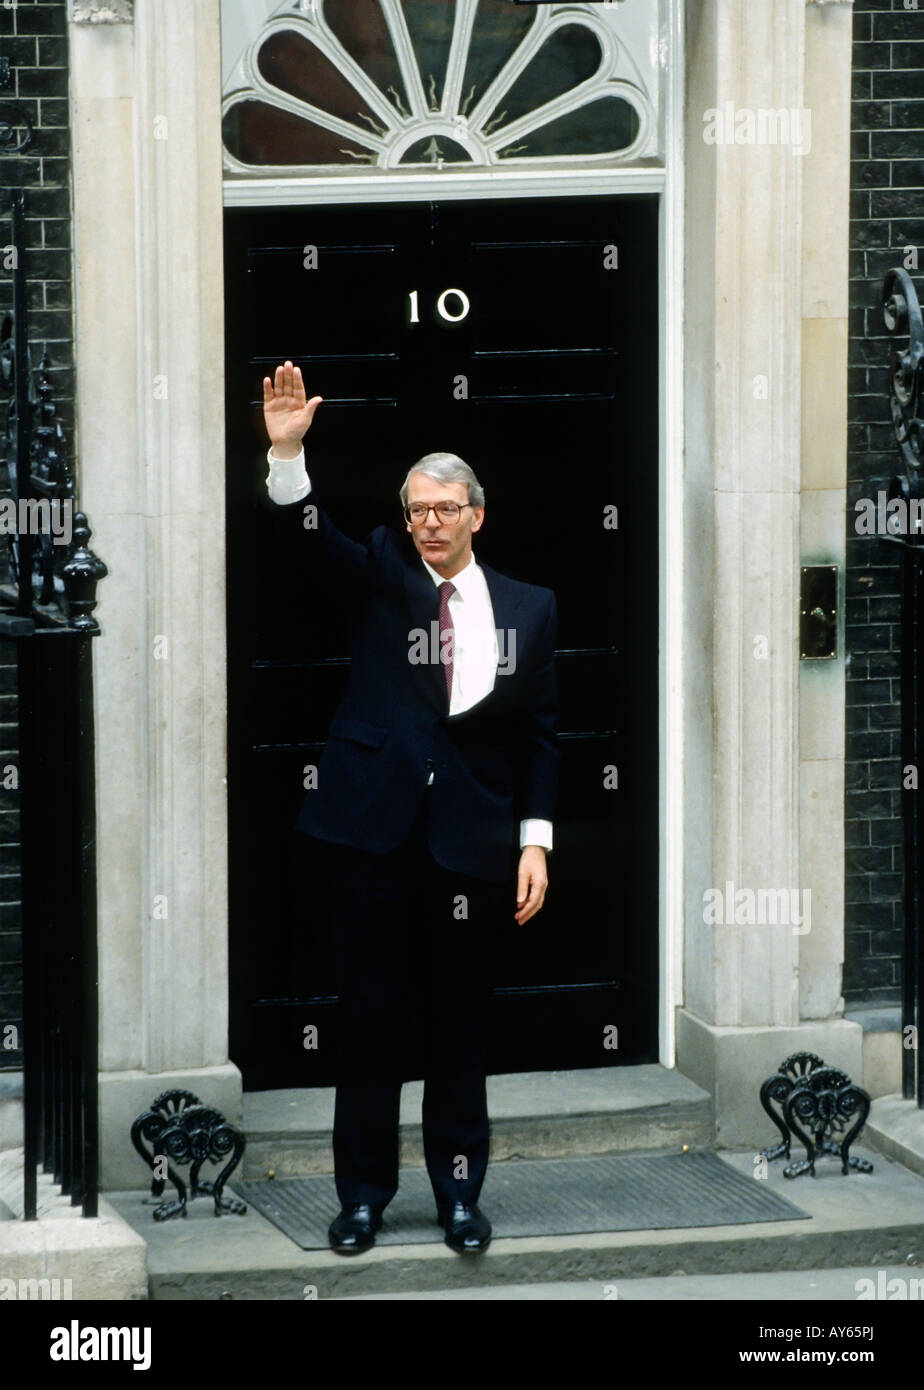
569,56
260,134
298,67
412,83
429,27
496,36
360,26
435,149
604,126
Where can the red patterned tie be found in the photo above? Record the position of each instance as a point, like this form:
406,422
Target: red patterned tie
447,588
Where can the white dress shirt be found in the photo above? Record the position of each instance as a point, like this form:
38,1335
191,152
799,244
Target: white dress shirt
474,647
474,638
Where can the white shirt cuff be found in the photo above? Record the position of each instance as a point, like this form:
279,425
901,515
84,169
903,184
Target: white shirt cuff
536,832
287,481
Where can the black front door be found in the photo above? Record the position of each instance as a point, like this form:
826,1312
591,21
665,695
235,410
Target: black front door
521,335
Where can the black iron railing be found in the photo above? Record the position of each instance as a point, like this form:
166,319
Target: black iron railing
47,597
904,525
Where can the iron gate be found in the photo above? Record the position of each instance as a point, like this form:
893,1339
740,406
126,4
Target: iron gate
904,526
47,597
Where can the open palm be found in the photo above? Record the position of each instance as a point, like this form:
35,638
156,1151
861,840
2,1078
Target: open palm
287,412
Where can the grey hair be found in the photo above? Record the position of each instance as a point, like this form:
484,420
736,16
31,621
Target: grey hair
446,468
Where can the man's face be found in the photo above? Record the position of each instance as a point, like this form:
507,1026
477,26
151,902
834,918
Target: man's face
447,546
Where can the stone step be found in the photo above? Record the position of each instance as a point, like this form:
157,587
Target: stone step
871,1221
773,1286
533,1115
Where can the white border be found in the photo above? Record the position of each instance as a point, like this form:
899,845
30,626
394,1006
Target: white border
377,186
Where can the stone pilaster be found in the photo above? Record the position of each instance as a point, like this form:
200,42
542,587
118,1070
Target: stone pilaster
150,399
754,230
825,272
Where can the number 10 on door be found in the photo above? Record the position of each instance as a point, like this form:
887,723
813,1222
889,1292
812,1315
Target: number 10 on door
458,312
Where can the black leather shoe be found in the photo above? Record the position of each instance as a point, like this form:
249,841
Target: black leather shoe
353,1231
468,1231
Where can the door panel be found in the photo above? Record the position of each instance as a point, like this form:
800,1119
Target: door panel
547,385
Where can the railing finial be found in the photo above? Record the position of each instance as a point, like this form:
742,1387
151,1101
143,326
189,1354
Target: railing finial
81,575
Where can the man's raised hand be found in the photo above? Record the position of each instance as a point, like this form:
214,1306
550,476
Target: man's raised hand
287,413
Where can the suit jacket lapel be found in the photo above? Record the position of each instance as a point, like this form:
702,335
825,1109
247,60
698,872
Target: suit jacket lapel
505,599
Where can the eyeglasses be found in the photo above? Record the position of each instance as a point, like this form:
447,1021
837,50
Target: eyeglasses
418,513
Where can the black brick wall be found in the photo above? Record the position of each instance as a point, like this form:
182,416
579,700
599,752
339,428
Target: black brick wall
33,36
887,215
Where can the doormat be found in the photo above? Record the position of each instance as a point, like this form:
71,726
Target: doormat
543,1197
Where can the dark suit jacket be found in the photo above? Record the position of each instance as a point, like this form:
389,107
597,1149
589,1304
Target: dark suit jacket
492,765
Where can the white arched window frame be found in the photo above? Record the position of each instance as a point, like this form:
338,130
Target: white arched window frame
633,39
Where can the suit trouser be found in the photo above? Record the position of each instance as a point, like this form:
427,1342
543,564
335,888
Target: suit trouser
414,946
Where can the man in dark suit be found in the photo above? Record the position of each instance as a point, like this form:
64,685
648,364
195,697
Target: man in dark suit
435,793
